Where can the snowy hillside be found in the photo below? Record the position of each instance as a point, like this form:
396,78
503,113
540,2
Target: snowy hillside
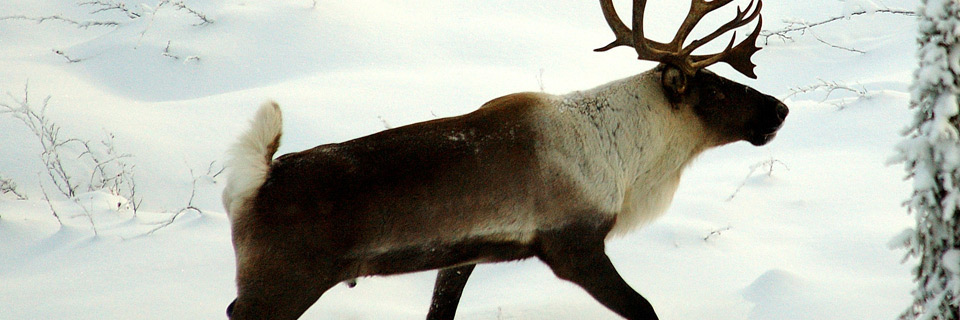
797,229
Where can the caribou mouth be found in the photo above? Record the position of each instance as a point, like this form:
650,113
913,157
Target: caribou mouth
764,136
763,139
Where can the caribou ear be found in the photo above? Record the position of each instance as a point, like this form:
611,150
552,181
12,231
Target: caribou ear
674,82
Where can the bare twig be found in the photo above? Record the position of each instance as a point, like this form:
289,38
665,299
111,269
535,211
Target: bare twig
8,186
212,172
86,213
179,6
829,87
386,125
800,26
65,56
49,202
174,217
104,6
78,24
768,164
135,199
203,17
540,80
716,232
835,46
167,53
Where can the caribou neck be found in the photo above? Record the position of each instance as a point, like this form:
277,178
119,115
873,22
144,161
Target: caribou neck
636,143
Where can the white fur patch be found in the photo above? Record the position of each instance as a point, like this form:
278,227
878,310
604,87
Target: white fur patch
248,160
626,146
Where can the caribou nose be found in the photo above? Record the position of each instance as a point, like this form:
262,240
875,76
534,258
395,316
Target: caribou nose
782,111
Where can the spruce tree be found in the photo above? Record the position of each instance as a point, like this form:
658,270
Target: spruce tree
931,153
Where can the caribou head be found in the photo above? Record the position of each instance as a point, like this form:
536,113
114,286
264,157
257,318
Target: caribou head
721,103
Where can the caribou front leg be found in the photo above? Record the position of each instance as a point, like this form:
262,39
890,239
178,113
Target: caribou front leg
447,291
577,254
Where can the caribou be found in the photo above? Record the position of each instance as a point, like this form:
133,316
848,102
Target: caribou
525,175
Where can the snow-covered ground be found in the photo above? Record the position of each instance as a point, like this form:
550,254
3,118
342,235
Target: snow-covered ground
797,229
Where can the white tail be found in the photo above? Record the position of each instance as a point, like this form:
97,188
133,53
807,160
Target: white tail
248,160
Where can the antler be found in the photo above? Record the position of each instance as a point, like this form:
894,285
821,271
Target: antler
674,53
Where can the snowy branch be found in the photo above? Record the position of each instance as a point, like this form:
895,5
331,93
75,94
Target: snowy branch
801,26
830,87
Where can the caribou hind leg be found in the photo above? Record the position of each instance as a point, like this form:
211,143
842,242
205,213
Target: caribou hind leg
447,291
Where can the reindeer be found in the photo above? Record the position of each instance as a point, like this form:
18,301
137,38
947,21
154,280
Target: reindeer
525,175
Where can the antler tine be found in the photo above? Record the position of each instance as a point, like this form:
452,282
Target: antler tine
698,9
737,57
646,48
737,22
622,33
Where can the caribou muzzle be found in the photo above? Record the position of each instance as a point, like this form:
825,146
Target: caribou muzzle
766,128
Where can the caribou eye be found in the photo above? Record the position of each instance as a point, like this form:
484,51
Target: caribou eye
716,94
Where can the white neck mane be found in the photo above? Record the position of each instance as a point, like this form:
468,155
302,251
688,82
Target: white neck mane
633,146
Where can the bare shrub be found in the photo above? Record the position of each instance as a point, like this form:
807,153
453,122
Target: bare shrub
73,165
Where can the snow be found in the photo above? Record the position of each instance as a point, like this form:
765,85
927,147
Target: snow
778,294
798,229
951,260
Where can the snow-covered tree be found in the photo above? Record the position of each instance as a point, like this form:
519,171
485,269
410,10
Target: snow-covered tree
931,153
